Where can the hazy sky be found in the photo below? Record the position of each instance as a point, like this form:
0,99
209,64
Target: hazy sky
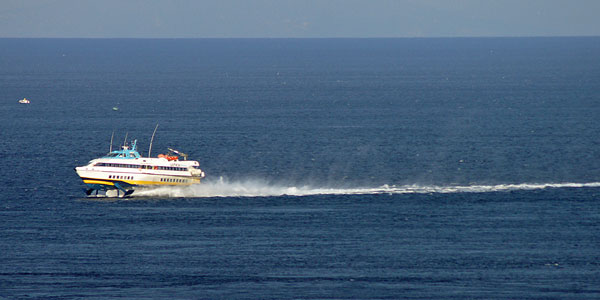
298,18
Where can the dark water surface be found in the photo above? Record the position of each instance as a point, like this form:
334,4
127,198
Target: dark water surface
336,168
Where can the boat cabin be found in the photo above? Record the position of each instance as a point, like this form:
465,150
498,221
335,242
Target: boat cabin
125,152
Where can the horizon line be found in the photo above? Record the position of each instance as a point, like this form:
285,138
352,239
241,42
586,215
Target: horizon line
314,38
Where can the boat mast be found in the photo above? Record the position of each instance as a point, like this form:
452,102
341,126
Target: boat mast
152,140
111,141
125,141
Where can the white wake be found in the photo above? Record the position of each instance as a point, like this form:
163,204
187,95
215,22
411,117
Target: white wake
258,188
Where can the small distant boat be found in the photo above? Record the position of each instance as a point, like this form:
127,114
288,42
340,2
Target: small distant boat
115,108
24,101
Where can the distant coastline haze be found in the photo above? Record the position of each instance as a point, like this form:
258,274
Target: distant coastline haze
297,19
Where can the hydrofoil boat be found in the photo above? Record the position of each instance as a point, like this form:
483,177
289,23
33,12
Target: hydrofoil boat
125,170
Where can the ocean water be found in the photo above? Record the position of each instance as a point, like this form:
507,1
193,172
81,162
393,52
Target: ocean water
336,168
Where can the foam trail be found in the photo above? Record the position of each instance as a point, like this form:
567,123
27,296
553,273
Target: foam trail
260,188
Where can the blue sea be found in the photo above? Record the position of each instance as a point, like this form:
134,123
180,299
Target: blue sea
451,168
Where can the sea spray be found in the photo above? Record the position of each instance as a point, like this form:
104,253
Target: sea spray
262,188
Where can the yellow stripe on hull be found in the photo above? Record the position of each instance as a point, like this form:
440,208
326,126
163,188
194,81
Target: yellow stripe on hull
98,182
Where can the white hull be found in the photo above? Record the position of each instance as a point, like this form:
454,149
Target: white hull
133,177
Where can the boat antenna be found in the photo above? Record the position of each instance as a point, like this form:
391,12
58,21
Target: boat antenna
111,141
152,140
125,141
